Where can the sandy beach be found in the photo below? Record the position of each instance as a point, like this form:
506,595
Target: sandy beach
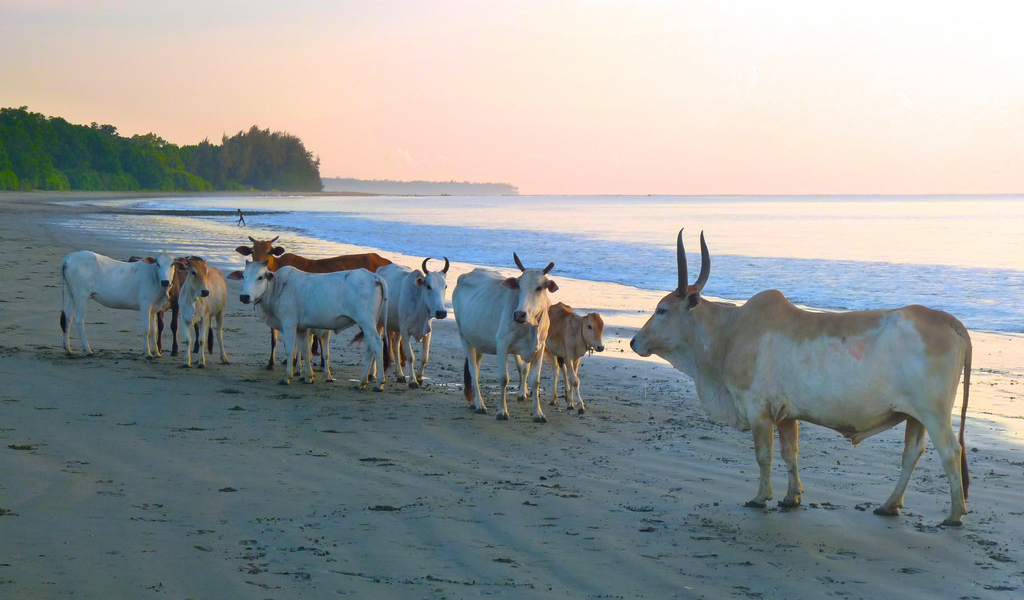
129,478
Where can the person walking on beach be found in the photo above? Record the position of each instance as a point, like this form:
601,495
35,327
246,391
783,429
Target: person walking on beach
241,218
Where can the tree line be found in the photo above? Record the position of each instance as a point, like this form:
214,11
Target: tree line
48,153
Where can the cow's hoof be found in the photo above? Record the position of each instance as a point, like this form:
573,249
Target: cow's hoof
412,384
503,416
174,352
330,379
540,419
379,388
285,382
789,503
520,398
754,504
269,367
581,411
310,380
202,366
951,523
882,511
185,366
401,379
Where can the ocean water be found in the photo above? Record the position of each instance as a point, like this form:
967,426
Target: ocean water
961,254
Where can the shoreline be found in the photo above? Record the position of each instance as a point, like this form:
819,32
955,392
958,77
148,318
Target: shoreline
133,478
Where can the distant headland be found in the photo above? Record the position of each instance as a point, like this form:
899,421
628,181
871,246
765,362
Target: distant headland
417,188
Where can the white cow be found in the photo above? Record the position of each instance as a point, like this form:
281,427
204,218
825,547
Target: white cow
501,316
417,297
201,301
140,286
768,364
294,302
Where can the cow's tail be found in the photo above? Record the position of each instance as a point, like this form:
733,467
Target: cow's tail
382,321
467,378
964,478
63,296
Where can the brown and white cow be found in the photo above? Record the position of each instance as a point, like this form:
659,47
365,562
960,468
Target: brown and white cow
767,364
172,304
276,257
202,301
570,338
502,316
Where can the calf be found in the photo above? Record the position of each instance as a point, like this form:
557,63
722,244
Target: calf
570,337
202,300
501,316
417,299
294,302
140,286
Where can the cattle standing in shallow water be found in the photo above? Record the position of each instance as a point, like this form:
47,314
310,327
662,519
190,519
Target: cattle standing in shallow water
768,364
570,337
276,257
417,297
202,300
140,286
294,302
501,316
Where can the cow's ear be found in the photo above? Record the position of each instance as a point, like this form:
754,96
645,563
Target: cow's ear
511,283
178,265
692,300
270,275
419,281
552,286
277,251
235,275
244,250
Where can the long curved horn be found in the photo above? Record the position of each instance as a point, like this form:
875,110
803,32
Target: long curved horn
445,269
705,265
550,266
519,263
681,265
252,239
424,267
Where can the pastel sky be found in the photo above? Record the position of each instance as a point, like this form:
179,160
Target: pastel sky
556,97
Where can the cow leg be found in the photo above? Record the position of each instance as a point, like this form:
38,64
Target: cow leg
273,348
913,448
325,345
374,352
537,364
472,379
307,348
789,444
764,442
188,344
424,357
160,331
558,373
175,311
524,389
949,449
502,356
147,319
290,335
396,356
220,338
409,357
74,314
205,329
573,367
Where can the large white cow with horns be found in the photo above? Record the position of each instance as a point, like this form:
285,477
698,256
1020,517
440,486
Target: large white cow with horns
501,316
417,298
767,364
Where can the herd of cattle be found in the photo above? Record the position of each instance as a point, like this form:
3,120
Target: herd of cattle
763,365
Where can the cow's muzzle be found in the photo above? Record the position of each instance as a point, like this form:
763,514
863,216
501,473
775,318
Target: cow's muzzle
519,316
244,298
204,293
165,283
440,314
598,348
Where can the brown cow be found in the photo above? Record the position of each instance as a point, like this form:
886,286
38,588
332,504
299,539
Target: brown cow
570,337
276,257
